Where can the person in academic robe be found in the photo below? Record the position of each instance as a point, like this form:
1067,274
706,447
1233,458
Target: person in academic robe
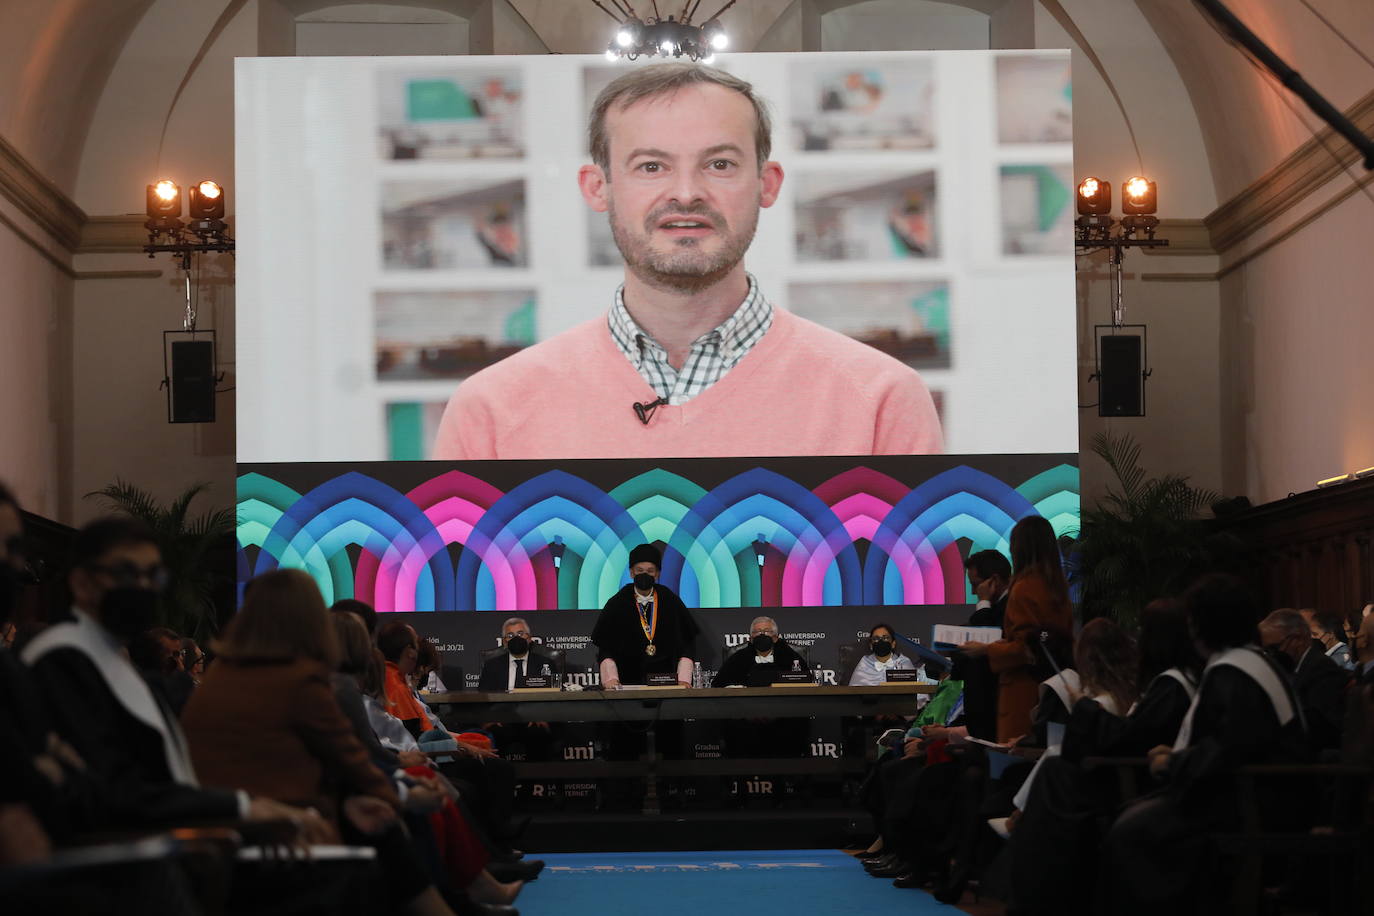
1037,605
100,705
1056,835
1245,712
644,628
759,664
989,578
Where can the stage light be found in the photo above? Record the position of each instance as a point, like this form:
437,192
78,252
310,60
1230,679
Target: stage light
666,47
1367,472
164,200
1094,197
630,33
206,201
1333,481
714,33
1139,197
612,54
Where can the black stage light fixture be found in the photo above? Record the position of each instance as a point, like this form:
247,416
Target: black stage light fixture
206,201
163,206
1139,197
1094,197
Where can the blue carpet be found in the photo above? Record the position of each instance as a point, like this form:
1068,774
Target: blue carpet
751,883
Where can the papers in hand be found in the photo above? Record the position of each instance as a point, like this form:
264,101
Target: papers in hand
991,745
947,634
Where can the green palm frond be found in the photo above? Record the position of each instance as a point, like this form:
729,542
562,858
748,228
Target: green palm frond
1144,539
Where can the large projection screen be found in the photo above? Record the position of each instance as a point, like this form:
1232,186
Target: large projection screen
405,222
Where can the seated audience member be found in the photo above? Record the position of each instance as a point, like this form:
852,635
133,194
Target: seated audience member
872,668
476,764
1245,712
158,657
508,670
1320,683
97,702
360,609
760,662
1357,742
431,802
1037,604
427,665
1328,629
193,660
266,720
989,577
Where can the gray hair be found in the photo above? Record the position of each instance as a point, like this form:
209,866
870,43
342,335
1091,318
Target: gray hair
666,79
514,620
756,620
1288,622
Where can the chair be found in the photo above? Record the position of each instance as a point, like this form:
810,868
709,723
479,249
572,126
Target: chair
559,657
850,653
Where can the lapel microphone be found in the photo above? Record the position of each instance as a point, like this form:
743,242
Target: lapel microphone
645,412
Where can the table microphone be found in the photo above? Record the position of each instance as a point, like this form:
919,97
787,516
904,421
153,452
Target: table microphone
645,412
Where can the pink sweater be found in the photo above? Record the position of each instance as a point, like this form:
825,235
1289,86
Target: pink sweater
802,390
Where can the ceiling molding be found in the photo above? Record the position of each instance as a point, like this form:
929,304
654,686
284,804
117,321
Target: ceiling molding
38,198
113,235
1306,169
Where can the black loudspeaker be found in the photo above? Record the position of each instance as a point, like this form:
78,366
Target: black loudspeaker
1121,379
193,381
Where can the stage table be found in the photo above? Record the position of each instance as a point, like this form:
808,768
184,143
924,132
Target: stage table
648,704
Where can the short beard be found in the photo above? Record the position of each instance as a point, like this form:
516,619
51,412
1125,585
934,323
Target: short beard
674,273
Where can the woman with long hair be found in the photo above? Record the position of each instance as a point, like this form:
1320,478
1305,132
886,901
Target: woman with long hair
1039,619
265,720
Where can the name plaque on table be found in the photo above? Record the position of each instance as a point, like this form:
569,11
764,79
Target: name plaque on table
661,679
908,675
542,681
793,678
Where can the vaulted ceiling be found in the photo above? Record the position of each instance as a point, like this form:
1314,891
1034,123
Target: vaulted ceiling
55,57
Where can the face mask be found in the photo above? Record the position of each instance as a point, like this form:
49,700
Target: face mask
882,647
518,645
763,643
644,581
127,612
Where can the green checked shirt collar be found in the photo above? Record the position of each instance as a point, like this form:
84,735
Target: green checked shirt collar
713,354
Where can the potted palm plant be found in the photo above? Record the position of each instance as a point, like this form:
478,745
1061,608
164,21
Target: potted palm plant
1145,539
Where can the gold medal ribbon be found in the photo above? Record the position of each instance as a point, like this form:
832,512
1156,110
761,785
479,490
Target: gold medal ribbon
648,624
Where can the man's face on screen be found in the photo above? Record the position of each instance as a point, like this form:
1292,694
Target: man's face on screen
684,187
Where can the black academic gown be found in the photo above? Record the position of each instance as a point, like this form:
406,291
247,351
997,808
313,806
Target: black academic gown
1156,851
740,668
1321,686
1056,841
618,635
122,752
980,684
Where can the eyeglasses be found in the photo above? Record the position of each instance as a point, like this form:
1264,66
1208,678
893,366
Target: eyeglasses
128,574
514,633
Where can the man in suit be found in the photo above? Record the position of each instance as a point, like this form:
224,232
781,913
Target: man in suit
1320,682
96,700
508,670
989,576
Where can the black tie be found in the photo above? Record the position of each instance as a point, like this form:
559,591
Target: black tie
519,672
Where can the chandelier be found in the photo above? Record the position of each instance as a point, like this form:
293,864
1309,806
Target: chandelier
659,36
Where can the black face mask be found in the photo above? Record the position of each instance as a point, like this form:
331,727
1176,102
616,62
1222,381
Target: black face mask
644,581
127,612
763,643
1280,658
518,645
882,647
